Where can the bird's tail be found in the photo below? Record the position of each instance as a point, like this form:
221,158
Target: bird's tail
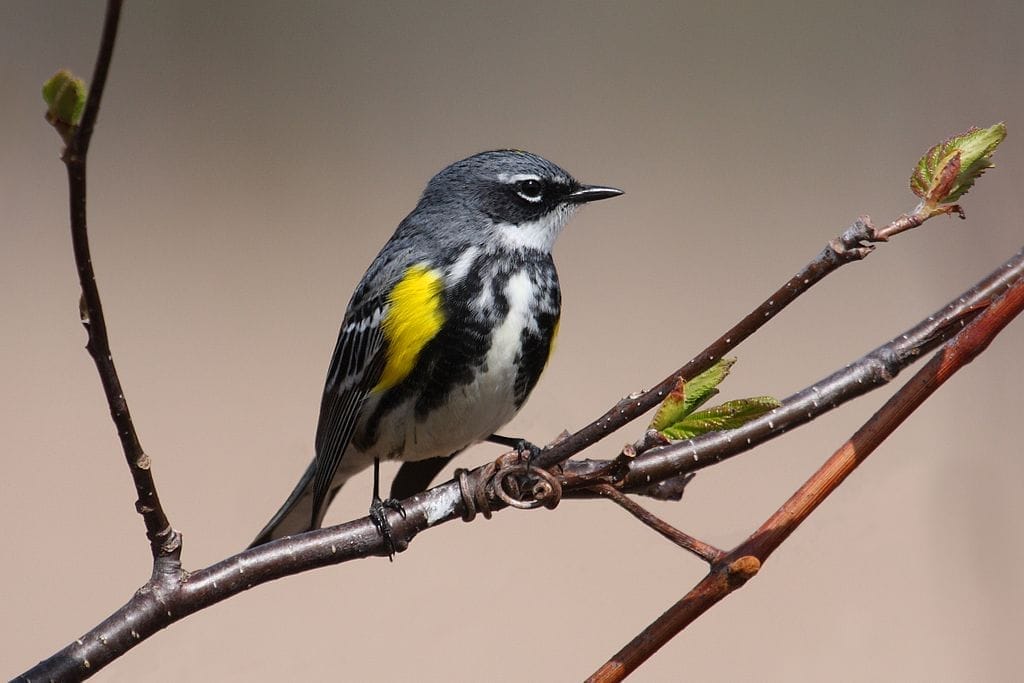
295,516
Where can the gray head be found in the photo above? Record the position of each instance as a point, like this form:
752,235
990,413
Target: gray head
514,197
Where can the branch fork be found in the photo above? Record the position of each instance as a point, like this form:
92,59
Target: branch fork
649,467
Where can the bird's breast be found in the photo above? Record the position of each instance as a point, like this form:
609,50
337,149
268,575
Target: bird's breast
474,375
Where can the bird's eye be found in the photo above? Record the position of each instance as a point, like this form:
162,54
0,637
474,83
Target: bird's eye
529,189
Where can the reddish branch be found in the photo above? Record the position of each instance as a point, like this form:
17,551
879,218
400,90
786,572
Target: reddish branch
172,593
869,372
744,561
852,245
158,605
705,551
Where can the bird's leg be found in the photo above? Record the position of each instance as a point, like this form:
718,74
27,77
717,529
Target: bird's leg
377,511
522,446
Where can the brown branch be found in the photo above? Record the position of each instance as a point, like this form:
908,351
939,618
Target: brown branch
158,605
704,551
851,245
172,594
165,542
661,472
745,560
874,369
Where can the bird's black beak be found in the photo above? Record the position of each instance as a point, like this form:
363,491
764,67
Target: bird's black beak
591,193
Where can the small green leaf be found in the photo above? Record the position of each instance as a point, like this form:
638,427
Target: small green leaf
671,409
948,170
729,415
65,98
689,396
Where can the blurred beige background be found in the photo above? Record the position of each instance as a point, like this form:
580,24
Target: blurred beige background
252,157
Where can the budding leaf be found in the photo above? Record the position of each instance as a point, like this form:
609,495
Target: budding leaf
948,170
65,98
729,415
688,396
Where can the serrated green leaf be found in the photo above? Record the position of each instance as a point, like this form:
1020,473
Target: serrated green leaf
65,98
671,409
686,398
934,178
728,415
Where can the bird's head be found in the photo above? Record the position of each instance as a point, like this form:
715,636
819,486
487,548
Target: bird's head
518,198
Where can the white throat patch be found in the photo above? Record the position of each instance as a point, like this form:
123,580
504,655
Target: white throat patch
539,234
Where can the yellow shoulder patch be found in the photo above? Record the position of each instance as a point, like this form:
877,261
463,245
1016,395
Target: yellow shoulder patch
414,317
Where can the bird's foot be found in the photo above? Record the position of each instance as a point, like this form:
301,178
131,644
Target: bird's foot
531,451
378,515
521,446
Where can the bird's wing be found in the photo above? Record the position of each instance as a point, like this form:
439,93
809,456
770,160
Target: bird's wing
355,369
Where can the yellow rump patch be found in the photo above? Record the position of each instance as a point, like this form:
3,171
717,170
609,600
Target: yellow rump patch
414,317
554,338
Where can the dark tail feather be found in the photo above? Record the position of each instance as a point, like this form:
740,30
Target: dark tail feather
295,515
415,476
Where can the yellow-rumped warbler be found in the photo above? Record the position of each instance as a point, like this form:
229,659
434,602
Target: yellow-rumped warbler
446,334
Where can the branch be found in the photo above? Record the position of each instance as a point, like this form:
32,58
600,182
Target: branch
744,561
165,542
157,606
673,462
705,551
875,369
172,593
853,244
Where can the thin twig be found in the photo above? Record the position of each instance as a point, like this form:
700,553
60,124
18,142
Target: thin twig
171,594
876,368
704,551
165,542
157,606
851,245
745,560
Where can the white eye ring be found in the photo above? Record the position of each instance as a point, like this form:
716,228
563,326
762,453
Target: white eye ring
530,189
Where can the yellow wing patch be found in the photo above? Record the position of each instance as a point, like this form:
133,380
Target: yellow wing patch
414,317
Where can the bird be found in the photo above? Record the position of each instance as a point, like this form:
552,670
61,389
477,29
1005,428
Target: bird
446,334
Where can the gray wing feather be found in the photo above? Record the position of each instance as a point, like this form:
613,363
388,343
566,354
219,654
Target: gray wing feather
356,368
